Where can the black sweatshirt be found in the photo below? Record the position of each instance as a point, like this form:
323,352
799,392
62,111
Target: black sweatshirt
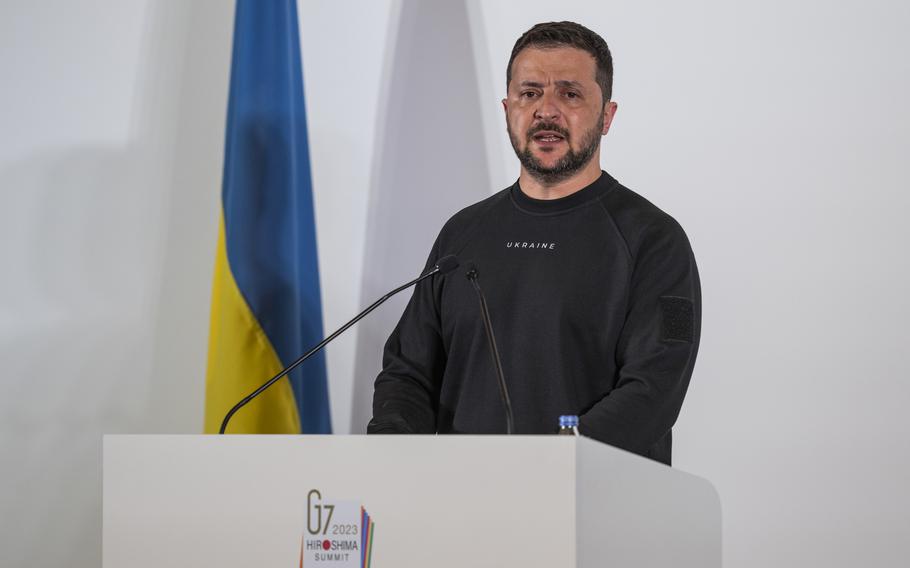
596,309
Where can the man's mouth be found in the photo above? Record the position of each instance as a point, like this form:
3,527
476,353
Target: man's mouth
548,137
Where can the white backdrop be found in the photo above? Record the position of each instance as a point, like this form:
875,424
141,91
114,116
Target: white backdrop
775,132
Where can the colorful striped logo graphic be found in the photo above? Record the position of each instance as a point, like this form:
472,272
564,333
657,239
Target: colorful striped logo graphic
366,546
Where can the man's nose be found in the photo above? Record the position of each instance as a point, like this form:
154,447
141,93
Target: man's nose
547,109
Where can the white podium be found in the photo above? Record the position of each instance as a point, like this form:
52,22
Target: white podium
433,502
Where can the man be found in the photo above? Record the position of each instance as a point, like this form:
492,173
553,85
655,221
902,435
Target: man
593,291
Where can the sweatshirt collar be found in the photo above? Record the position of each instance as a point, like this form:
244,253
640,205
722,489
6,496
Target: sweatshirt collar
583,196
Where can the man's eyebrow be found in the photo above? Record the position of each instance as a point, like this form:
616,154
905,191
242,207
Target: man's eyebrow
561,83
572,84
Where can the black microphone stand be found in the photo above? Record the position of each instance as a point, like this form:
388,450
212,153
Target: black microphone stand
494,352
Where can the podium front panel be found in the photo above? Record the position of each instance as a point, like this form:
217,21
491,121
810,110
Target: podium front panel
435,501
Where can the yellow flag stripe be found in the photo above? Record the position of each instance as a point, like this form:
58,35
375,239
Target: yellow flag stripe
240,359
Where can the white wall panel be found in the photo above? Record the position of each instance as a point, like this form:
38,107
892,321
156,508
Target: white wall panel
110,168
344,59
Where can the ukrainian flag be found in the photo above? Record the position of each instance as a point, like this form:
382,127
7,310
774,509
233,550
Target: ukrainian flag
266,305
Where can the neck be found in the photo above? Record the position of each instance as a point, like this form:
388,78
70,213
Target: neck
537,189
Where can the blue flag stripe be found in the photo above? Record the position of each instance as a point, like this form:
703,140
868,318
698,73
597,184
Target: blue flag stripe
267,196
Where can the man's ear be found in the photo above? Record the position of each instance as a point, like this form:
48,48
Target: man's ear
609,112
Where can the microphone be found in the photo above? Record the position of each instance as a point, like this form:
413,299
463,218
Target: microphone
445,265
472,275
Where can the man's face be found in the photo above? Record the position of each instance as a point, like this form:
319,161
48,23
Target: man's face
555,112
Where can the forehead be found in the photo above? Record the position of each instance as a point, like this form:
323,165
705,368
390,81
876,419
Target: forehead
562,63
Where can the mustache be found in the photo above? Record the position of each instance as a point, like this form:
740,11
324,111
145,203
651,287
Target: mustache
542,126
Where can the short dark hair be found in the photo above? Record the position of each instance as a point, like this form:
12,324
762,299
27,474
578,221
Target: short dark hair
559,34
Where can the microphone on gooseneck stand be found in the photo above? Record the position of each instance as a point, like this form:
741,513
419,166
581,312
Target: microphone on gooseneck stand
446,264
472,275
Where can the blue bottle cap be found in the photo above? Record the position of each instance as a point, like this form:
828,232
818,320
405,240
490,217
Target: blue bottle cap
568,421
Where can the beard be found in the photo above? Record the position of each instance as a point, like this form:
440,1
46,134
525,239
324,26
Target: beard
567,166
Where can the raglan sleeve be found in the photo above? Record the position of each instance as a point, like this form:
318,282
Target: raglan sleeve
657,346
406,392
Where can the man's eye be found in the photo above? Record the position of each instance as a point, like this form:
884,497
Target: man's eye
571,94
529,94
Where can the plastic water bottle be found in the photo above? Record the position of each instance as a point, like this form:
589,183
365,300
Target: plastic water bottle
568,425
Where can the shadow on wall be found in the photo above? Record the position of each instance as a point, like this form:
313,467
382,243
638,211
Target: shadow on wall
431,162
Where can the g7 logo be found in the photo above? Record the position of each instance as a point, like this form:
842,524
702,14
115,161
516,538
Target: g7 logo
315,508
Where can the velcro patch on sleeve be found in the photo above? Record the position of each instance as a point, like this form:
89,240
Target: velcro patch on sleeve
678,318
